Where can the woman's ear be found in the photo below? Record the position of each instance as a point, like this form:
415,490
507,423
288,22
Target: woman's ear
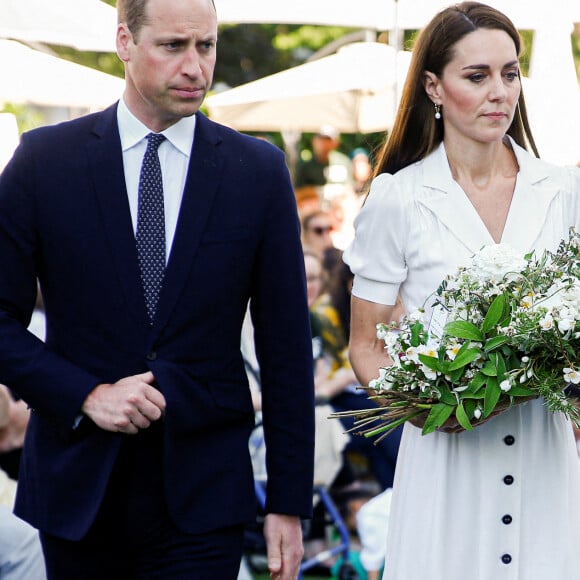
431,86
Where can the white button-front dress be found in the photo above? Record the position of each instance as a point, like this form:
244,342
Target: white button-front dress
501,502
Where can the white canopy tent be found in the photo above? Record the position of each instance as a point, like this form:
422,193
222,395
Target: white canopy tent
320,93
380,14
552,93
81,24
33,77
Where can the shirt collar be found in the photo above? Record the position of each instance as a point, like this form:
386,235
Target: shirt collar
133,131
437,173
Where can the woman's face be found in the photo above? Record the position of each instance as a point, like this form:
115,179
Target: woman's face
479,88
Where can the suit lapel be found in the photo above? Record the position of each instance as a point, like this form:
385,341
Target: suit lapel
203,177
106,168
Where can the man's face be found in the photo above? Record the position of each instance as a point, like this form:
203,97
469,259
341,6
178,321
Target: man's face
169,62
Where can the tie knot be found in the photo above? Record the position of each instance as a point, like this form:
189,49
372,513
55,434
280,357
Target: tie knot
155,139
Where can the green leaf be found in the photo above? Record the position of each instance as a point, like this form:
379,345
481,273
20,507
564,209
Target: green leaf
494,314
470,406
519,391
473,391
430,361
437,416
464,358
495,342
489,369
462,417
478,381
446,396
463,329
454,375
501,366
492,395
416,331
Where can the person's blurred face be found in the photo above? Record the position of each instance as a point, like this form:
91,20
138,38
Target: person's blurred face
169,62
313,269
361,167
322,145
317,234
479,88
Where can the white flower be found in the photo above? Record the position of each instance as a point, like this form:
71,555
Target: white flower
494,262
527,301
452,350
416,315
477,413
571,376
505,385
565,325
547,323
391,339
430,374
427,351
382,331
412,354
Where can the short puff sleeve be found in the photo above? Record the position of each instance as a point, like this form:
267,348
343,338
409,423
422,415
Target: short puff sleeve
376,256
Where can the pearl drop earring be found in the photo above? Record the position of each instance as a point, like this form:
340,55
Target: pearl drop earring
437,111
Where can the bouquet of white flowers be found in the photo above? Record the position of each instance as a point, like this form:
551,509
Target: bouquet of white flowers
504,329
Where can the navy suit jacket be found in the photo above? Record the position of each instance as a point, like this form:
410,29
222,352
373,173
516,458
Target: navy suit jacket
65,219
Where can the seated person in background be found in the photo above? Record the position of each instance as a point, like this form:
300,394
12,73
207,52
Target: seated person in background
327,383
12,432
20,552
307,200
316,232
339,386
326,162
372,524
361,170
13,422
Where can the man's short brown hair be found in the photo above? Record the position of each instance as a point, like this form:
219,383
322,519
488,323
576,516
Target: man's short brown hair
134,14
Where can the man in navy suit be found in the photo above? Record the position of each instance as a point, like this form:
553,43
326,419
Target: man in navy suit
136,460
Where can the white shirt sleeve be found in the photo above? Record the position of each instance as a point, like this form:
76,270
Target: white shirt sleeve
377,254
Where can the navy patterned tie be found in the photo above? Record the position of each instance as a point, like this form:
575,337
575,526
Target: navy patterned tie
151,224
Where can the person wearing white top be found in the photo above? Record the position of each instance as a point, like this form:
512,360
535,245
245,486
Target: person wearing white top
501,501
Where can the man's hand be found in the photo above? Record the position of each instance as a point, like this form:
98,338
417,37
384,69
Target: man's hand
126,406
284,543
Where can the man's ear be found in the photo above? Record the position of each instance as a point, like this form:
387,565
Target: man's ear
431,85
124,37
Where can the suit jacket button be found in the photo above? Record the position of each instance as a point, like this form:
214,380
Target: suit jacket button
506,559
507,519
509,439
508,479
152,355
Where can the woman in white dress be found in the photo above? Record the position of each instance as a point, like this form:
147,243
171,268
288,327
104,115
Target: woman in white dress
501,502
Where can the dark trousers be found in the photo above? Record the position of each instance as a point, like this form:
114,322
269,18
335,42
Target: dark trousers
133,537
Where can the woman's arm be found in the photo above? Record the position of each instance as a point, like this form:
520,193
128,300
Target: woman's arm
367,353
